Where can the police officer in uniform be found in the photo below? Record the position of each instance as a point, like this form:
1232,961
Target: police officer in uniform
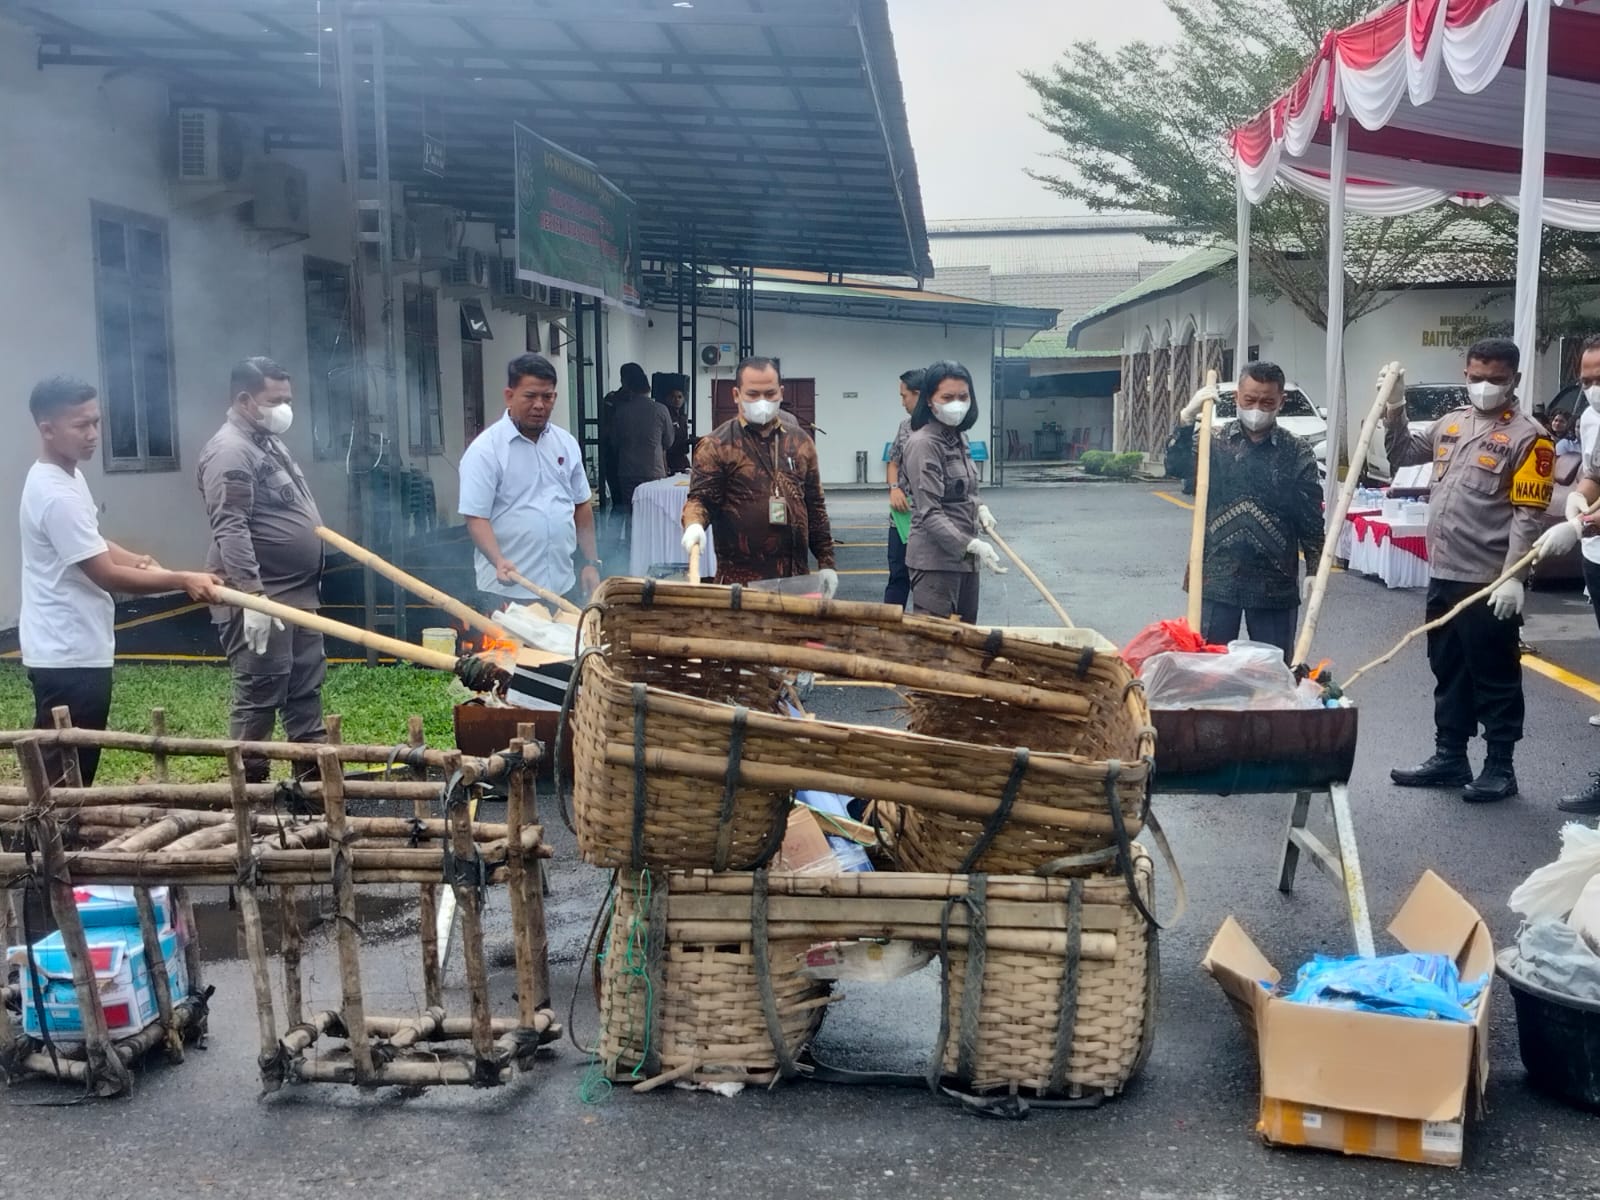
1493,475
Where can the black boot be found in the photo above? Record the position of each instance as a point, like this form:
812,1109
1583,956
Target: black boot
1447,768
1585,803
1498,780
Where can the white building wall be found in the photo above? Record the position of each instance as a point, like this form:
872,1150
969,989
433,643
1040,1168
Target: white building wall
857,365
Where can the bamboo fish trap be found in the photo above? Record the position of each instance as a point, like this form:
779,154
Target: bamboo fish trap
686,759
1048,986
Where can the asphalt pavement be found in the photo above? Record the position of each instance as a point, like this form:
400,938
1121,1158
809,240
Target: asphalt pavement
1114,555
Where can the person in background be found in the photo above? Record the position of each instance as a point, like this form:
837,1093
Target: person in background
264,541
643,433
757,484
525,496
1493,476
1263,512
898,590
69,571
670,394
944,550
1564,435
1587,802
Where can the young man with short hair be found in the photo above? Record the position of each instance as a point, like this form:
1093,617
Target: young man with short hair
69,572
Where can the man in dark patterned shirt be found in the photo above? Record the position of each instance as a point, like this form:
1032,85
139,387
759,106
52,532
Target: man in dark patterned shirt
756,483
1263,511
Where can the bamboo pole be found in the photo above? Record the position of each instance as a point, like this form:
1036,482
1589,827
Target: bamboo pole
469,902
678,594
156,964
250,917
694,564
1027,573
299,752
561,603
273,862
352,1008
395,1074
206,798
441,600
1202,491
158,730
141,873
428,905
1392,375
455,1028
876,885
857,666
1094,947
71,767
785,778
535,883
106,1072
531,994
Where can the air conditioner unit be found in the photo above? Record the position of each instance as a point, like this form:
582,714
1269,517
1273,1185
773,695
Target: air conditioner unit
209,147
467,275
439,232
280,198
507,292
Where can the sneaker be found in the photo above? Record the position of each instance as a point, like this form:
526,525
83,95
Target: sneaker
1595,720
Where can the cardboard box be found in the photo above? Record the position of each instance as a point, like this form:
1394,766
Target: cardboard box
127,993
1359,1082
102,905
805,849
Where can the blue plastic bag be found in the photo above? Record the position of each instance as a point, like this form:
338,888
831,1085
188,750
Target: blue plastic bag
1401,985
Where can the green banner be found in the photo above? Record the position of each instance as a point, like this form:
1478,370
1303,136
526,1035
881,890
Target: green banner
575,229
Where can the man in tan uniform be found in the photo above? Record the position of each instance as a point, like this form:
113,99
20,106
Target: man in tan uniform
1493,476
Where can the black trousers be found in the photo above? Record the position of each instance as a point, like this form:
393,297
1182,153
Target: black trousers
898,589
86,693
1219,625
1477,669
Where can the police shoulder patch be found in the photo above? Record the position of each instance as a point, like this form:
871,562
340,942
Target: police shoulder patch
1534,483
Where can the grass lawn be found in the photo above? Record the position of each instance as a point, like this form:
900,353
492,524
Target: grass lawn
375,703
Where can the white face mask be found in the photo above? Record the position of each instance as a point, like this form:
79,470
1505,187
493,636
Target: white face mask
759,412
277,418
1486,396
1592,395
953,413
1256,419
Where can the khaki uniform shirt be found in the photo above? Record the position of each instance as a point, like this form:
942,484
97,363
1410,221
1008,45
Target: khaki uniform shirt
942,475
1493,476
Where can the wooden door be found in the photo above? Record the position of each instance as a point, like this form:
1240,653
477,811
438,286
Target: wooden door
799,398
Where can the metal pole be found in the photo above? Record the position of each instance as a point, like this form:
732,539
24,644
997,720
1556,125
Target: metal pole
391,352
1333,376
1530,195
1241,341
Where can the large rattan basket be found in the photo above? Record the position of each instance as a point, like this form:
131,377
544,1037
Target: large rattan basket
1021,754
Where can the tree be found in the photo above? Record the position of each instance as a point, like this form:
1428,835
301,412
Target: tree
1143,130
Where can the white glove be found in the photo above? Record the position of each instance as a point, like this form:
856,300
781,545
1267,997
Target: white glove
830,582
694,536
257,629
1191,410
986,554
1307,586
986,521
1398,398
1506,600
1577,508
1557,540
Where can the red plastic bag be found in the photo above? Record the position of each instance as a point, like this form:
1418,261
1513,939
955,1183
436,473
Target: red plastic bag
1164,636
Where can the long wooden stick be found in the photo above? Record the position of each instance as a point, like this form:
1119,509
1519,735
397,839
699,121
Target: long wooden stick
440,600
1392,374
1202,490
561,602
1027,573
352,1003
694,563
254,939
859,666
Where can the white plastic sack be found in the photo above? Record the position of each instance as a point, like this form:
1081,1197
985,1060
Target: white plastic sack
1551,954
1249,675
1552,890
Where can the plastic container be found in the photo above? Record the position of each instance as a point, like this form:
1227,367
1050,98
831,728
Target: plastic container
440,639
1559,1038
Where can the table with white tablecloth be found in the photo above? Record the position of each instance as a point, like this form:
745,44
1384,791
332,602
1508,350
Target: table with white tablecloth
656,532
1394,549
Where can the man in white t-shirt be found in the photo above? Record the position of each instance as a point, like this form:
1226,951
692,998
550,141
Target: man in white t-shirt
525,496
69,572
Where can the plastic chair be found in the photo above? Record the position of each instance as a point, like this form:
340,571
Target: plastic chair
1015,447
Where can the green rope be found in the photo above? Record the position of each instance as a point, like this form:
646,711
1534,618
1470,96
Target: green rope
596,1087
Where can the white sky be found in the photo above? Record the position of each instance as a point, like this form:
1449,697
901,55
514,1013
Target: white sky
970,112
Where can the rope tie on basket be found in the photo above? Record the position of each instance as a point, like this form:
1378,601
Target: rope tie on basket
647,593
460,872
414,757
1067,1020
762,952
641,781
290,794
730,788
1085,662
736,597
655,960
1001,814
992,645
976,902
1123,843
562,718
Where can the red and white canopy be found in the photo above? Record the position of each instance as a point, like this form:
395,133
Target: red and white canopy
1434,95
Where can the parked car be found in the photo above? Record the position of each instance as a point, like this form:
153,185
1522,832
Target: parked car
1299,416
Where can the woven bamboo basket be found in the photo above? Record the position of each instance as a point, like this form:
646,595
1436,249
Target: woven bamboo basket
1017,1040
681,762
695,1009
689,1002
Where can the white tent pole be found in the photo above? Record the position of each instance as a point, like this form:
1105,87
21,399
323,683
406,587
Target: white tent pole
1241,342
1530,197
1333,373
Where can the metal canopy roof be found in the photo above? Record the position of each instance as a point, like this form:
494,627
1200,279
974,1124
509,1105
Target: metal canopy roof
767,132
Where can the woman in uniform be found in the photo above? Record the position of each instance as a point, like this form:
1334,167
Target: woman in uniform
944,549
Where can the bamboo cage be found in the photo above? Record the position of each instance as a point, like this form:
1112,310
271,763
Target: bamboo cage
266,843
1049,985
